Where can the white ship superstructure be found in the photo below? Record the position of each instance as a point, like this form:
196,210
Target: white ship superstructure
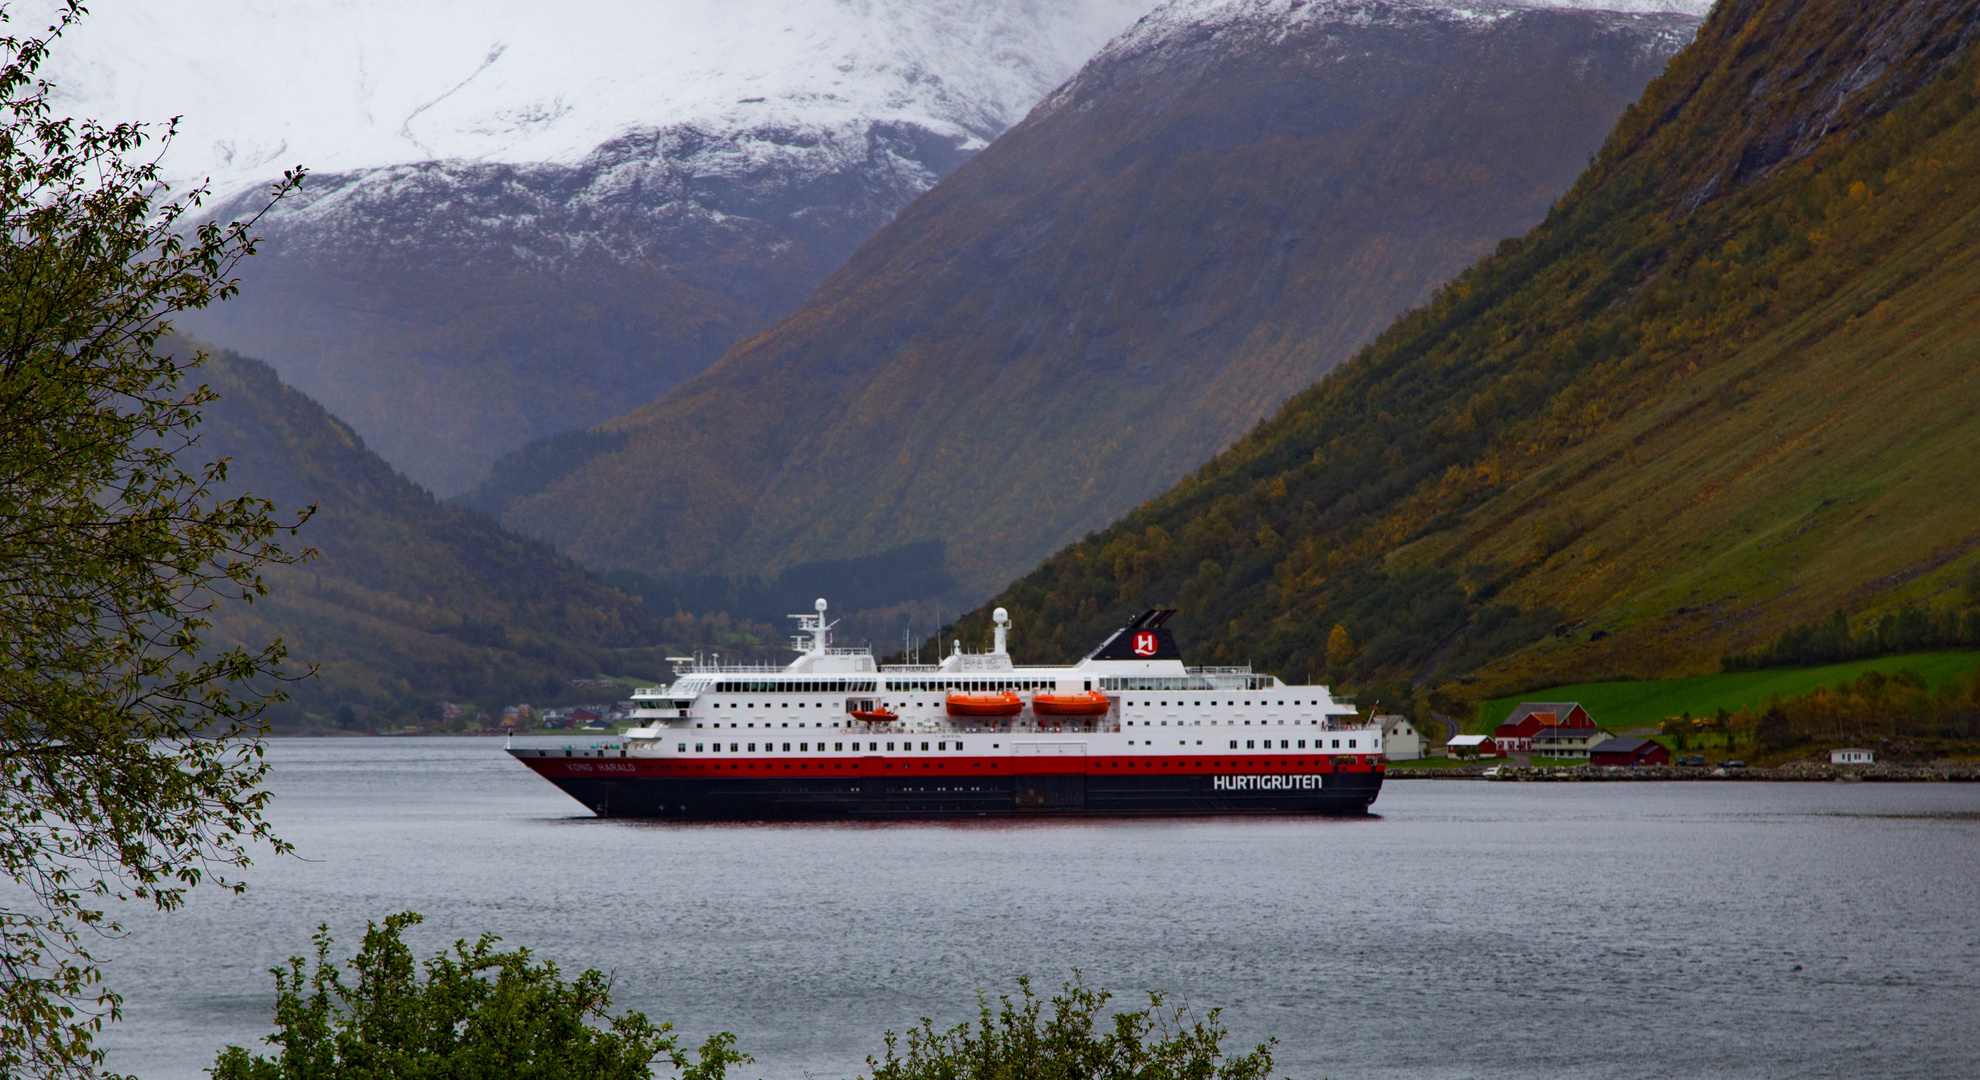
1127,729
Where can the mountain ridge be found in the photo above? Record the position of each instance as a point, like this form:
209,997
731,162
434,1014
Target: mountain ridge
1121,284
524,220
409,601
1655,430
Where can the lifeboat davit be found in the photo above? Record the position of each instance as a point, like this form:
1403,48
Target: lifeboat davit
875,716
996,703
1087,703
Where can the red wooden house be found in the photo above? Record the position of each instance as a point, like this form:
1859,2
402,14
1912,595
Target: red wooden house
1532,717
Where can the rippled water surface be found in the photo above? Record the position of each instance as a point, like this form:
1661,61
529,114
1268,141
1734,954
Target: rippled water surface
1467,930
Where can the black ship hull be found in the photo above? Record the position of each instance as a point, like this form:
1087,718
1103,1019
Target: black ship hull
791,798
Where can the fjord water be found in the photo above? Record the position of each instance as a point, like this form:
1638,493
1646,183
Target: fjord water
1466,930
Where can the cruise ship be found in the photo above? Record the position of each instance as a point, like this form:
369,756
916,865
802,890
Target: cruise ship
1128,730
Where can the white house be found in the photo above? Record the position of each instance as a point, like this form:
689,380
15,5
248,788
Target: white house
1472,746
1400,739
1852,756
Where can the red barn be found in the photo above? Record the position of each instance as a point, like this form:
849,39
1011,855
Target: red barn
1629,752
1532,717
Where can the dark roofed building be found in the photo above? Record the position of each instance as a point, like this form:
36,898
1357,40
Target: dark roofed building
1629,752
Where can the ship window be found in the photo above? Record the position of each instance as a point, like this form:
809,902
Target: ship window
804,746
890,746
1234,744
698,748
752,748
1337,744
787,746
924,746
1284,745
836,746
1302,744
701,725
732,748
1350,744
1250,745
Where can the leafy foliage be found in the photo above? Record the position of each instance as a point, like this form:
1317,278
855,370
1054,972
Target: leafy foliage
1019,1040
1872,708
474,1014
1911,628
129,766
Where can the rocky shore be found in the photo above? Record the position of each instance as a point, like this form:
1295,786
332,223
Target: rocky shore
1798,771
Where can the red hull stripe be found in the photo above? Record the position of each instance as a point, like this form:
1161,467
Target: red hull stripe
711,765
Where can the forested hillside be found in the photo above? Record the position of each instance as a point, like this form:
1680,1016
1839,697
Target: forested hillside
1728,386
1226,202
409,601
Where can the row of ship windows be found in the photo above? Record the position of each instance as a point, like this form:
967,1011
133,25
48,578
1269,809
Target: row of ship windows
1130,723
1251,744
932,704
1144,703
913,686
1220,723
839,747
861,686
773,686
737,748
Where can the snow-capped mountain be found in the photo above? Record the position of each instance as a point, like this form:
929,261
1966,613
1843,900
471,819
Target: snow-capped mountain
347,85
1220,207
525,218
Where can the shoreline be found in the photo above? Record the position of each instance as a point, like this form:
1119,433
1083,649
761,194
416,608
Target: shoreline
1930,772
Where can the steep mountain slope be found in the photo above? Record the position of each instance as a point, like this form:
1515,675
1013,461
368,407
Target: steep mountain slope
1224,203
1731,384
528,218
410,601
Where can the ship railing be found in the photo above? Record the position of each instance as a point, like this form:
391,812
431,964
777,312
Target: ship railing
911,668
1244,669
698,668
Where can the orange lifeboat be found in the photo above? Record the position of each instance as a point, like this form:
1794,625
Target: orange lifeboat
1087,703
997,703
875,716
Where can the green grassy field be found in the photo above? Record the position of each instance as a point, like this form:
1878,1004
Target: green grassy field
1620,706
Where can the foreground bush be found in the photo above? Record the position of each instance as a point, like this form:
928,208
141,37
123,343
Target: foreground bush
1018,1041
476,1014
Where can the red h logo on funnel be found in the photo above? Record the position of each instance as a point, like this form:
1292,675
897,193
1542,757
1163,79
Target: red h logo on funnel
1144,644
